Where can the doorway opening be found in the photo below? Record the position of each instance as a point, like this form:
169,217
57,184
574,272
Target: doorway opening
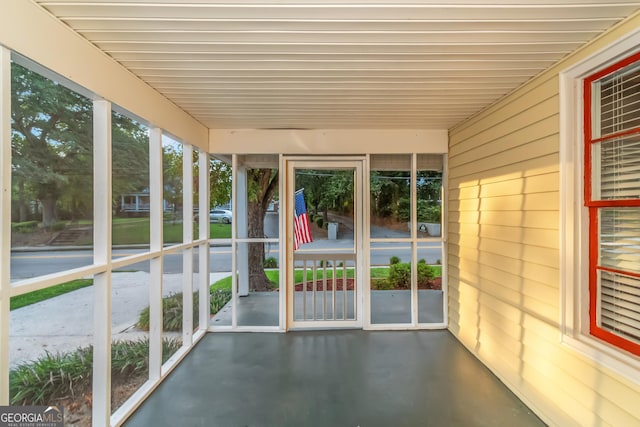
324,251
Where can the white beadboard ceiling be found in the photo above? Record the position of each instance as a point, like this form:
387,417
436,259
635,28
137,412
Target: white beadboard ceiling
423,64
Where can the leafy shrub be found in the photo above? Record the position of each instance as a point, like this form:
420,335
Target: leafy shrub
63,375
271,262
394,260
58,226
381,284
319,221
172,307
429,212
130,357
51,376
218,299
425,274
24,227
400,275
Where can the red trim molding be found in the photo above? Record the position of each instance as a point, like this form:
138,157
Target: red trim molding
595,206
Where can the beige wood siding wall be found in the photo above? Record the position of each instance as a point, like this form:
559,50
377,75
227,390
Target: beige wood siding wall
504,302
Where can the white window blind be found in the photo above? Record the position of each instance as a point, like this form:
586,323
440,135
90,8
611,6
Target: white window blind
619,172
619,307
619,294
615,187
620,239
619,101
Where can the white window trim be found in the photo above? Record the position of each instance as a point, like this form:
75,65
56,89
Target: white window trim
574,216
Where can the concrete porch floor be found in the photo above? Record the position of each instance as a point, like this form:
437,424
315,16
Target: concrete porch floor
332,378
387,307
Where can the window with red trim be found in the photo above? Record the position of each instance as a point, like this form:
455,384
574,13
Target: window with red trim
612,196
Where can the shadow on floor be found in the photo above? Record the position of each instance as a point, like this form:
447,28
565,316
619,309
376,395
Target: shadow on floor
332,378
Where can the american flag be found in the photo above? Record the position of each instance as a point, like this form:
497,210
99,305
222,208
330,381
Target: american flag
301,229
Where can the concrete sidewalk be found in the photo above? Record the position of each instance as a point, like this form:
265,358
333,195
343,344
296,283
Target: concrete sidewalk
64,323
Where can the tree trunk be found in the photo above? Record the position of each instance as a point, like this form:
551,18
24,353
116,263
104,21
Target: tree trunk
23,213
258,280
48,211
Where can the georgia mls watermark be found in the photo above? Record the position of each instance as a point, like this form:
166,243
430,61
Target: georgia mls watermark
31,416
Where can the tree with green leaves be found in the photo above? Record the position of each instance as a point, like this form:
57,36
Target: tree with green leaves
172,176
327,190
51,144
220,183
390,195
130,157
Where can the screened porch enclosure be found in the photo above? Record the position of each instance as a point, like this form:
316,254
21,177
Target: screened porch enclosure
373,256
466,233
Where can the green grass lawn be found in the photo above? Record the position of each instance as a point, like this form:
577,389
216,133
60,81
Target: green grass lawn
127,231
51,292
136,231
274,276
223,284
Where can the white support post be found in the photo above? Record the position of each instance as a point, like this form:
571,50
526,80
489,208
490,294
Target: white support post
283,266
240,217
156,241
203,256
5,219
234,243
414,242
187,237
444,230
366,244
101,409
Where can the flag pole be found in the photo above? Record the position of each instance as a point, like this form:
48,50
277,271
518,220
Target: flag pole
300,190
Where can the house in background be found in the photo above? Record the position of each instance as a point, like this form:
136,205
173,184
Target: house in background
530,111
135,204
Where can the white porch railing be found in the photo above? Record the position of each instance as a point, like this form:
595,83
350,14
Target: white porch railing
323,293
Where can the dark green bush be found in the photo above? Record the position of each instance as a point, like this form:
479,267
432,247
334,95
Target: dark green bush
394,260
66,375
400,275
319,221
271,262
51,376
58,226
425,274
402,213
381,284
171,313
24,227
429,212
218,299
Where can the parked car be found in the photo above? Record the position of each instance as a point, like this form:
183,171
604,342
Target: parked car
220,215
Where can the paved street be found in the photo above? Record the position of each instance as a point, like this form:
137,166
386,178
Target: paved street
37,263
